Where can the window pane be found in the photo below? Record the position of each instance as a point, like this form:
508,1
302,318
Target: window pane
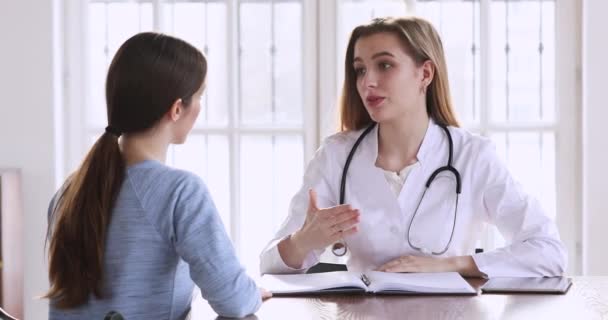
271,63
110,24
208,157
189,22
92,138
204,26
523,79
255,63
352,13
548,61
531,158
458,25
288,64
271,173
97,66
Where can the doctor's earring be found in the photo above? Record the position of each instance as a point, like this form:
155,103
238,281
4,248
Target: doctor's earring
425,85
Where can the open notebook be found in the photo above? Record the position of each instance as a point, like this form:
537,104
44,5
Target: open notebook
371,282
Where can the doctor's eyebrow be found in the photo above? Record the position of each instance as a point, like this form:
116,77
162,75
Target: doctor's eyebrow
379,54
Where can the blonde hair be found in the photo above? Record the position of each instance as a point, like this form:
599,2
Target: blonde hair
422,44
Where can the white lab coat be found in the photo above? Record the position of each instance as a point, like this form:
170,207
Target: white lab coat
489,195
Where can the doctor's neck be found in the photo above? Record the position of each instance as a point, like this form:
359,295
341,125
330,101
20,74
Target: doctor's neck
400,139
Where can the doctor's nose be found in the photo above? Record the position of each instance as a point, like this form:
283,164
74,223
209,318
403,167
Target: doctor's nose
370,80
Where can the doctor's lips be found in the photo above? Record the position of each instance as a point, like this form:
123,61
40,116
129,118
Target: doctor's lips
374,101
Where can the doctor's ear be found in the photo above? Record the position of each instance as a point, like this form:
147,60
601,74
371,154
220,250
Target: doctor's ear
176,110
428,72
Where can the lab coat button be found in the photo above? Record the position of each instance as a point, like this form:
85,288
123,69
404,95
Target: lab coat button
394,230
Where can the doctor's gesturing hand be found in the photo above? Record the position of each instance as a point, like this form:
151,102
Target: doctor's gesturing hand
321,228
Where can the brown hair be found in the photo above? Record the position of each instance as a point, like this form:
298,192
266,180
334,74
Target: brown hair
149,72
422,43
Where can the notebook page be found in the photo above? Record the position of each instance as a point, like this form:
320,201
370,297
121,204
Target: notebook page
303,283
444,282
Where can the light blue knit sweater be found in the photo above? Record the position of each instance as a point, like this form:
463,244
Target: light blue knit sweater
164,237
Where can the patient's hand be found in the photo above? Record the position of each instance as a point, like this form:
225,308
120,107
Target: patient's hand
265,294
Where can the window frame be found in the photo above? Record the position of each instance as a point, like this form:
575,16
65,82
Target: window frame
321,91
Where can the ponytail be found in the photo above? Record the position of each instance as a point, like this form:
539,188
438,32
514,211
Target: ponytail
81,218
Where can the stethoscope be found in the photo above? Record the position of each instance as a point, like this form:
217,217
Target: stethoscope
339,248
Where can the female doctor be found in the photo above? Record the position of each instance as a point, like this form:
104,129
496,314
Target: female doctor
402,188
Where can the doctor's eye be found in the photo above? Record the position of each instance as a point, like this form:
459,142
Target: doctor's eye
385,65
359,71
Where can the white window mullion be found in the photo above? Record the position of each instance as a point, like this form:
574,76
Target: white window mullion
521,127
311,80
568,159
485,86
224,131
485,77
273,93
410,6
247,131
234,138
74,84
156,16
329,66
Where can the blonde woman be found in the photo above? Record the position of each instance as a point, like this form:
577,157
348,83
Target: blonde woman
402,188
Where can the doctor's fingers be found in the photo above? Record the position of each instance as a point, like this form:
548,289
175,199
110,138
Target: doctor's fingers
336,217
331,221
341,234
344,224
332,211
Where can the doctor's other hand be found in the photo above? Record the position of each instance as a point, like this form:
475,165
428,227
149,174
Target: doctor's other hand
416,264
465,265
323,227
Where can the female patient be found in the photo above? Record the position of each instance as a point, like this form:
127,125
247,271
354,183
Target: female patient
128,233
419,189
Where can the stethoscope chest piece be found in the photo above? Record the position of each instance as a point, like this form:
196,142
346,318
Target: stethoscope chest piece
339,249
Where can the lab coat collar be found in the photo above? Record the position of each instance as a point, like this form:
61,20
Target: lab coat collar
428,142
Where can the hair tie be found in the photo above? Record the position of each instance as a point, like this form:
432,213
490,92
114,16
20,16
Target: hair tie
113,131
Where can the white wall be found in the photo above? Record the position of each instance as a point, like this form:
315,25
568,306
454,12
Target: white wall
595,146
26,127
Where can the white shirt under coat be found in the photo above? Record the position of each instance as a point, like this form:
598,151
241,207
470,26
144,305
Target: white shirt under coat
489,195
